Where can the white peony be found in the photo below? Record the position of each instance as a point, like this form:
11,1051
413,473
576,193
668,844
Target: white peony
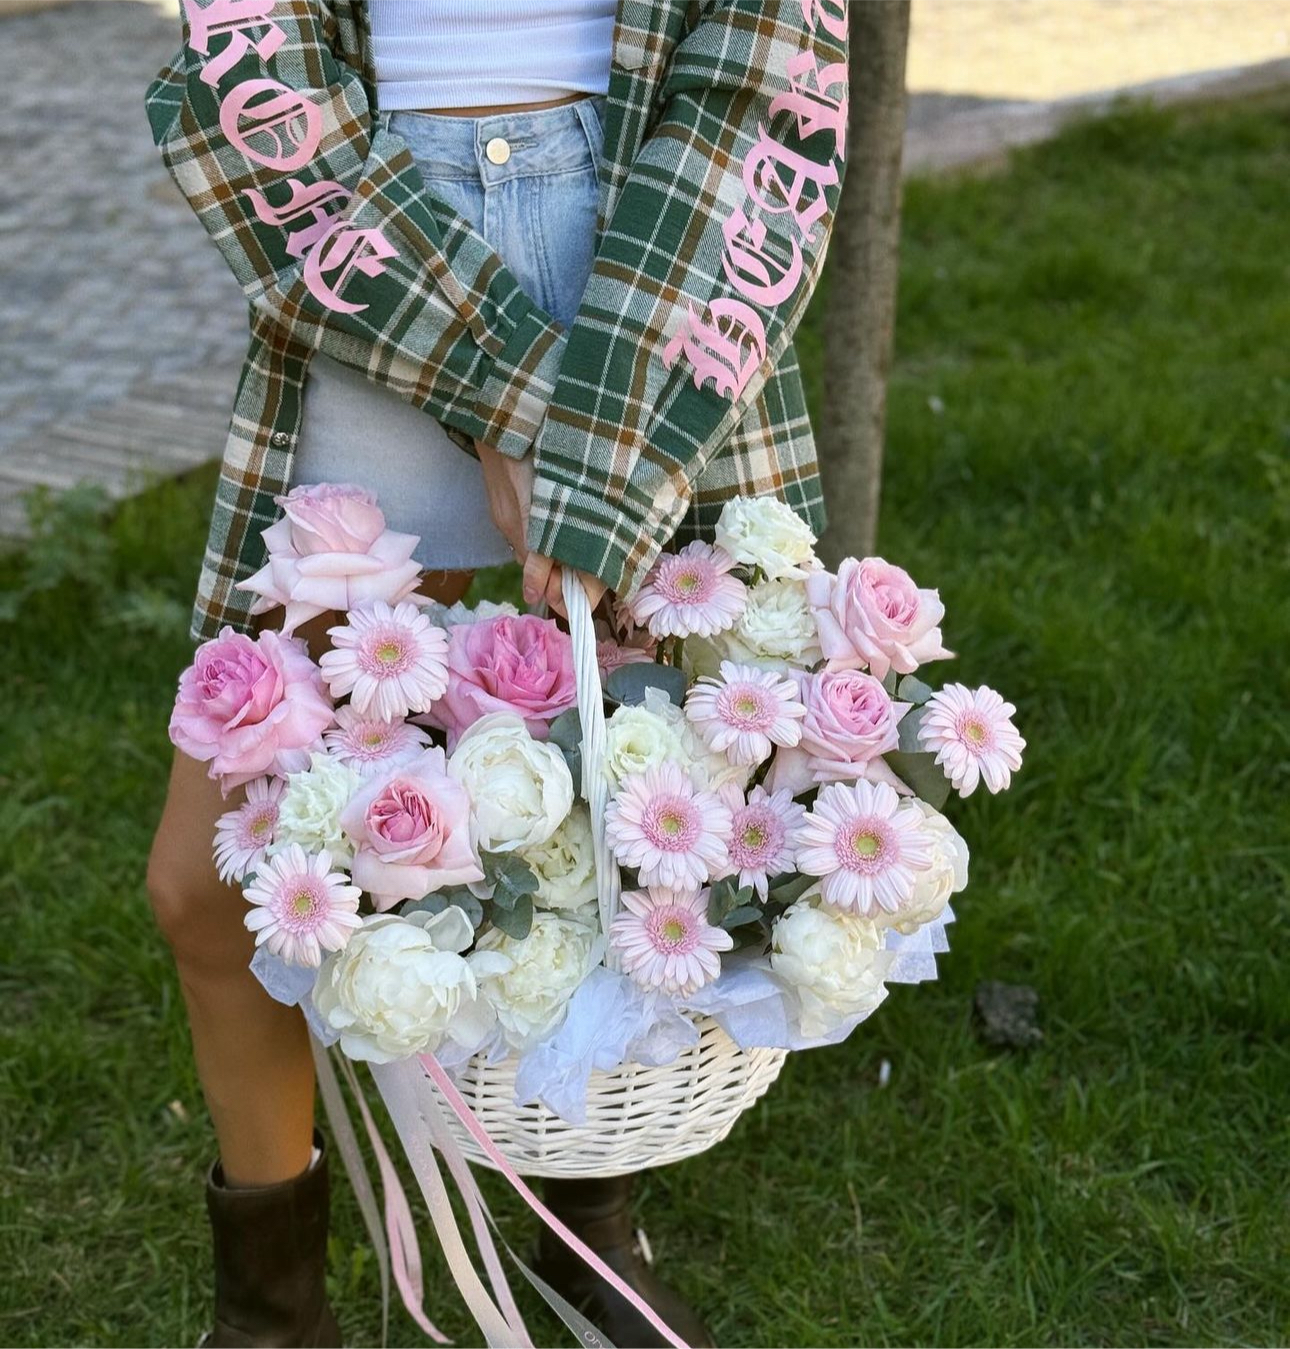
834,962
946,876
659,732
310,807
545,968
565,865
520,788
401,986
767,533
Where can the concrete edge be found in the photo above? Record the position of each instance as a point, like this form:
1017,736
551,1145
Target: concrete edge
984,135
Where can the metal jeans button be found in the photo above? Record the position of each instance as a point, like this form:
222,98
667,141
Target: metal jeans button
279,440
497,150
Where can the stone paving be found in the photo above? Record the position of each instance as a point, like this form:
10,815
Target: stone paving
121,328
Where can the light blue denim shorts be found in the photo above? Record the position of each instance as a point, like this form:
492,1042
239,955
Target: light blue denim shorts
538,211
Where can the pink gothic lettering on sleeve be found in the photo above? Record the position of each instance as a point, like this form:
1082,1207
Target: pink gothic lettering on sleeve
281,128
236,17
727,341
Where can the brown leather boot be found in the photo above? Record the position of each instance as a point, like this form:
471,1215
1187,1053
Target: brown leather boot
598,1212
270,1262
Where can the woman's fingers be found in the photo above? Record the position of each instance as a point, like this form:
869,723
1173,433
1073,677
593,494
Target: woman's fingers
537,577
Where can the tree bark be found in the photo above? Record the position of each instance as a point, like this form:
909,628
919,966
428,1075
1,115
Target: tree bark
863,260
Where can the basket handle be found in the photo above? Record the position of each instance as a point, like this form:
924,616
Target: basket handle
591,713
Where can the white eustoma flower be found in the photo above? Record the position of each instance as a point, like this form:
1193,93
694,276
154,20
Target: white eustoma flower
545,968
565,865
776,631
834,962
520,788
642,737
309,810
947,875
451,615
767,533
401,987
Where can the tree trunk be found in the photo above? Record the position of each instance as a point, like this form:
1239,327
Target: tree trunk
860,307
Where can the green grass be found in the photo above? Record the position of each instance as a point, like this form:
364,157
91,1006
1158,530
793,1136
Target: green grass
1090,419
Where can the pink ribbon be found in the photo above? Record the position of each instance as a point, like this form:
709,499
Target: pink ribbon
448,1090
421,1122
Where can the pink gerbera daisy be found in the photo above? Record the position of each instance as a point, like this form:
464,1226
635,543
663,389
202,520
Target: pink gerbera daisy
746,712
242,835
763,835
369,745
391,661
610,656
665,940
690,592
674,834
301,906
971,733
867,844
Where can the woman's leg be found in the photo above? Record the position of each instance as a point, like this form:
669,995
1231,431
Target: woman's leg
252,1052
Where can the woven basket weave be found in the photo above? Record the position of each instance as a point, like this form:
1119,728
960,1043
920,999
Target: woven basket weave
637,1117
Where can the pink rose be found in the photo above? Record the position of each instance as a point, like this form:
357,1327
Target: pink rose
521,664
871,613
250,706
331,550
850,722
412,832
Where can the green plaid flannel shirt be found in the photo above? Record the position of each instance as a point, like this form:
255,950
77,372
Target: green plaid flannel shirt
652,410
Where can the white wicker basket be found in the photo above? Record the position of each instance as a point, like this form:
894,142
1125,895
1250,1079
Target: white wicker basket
636,1117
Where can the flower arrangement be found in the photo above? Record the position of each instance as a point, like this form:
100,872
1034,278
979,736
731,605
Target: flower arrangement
418,858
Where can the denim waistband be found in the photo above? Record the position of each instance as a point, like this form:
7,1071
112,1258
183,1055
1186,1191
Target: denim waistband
540,140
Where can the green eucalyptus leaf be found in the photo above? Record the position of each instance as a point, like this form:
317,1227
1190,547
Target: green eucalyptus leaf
462,899
911,690
745,913
515,922
429,904
791,888
723,897
889,681
908,728
629,683
566,730
922,774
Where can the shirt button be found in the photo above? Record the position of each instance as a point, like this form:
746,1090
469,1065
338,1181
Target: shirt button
279,440
498,150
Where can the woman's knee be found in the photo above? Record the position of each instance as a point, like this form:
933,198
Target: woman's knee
199,915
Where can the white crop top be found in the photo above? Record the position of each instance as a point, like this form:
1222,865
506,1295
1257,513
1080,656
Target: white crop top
468,53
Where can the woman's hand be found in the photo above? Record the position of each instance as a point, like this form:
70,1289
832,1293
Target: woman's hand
509,484
543,581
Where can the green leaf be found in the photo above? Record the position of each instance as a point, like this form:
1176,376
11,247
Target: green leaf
510,876
461,898
921,773
566,730
745,913
566,736
908,729
515,922
791,888
889,682
628,684
911,690
429,904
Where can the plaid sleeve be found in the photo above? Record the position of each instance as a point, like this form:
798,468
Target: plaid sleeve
715,246
345,247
